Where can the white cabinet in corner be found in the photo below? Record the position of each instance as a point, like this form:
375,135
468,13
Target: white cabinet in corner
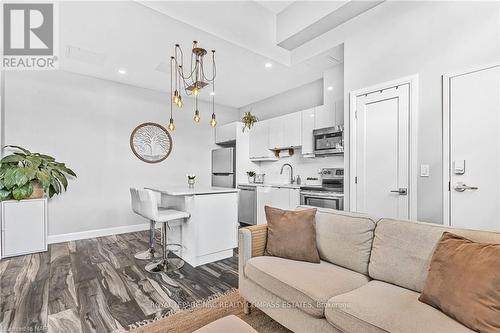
323,117
24,227
259,142
226,133
308,123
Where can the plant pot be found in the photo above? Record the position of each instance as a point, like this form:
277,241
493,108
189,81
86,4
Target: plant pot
251,179
37,191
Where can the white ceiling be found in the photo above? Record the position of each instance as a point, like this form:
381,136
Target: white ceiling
139,37
275,6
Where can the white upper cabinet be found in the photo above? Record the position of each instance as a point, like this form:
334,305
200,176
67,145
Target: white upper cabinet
259,142
276,133
226,133
308,124
323,117
285,131
292,130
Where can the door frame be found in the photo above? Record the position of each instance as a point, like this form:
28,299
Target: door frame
412,81
446,78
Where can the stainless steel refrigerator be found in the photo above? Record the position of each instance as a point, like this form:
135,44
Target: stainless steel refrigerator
223,167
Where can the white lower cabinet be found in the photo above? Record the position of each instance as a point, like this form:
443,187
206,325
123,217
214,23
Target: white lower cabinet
278,197
24,227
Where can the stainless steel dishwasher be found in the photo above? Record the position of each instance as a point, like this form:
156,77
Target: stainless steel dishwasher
247,204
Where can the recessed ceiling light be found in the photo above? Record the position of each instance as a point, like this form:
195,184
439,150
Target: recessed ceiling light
212,93
122,71
330,88
268,65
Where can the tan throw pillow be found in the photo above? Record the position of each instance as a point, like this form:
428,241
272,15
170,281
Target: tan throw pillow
291,234
464,282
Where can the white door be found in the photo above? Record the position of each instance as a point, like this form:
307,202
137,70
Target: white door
473,159
382,168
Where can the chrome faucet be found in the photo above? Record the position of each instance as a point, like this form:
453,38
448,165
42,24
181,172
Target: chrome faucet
291,172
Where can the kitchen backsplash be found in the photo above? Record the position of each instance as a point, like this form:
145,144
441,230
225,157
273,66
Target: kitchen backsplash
305,167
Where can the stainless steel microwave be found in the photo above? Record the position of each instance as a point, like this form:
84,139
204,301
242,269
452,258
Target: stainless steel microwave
329,140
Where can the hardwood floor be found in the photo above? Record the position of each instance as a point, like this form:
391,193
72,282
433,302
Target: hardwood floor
96,285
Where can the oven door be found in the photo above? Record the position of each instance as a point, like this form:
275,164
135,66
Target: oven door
323,201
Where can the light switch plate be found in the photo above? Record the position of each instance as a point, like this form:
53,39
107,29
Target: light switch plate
424,170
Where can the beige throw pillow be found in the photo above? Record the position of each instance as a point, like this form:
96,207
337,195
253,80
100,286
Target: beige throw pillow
464,282
291,234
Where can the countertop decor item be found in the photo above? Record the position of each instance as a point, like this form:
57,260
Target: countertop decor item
248,120
191,79
151,142
191,179
259,178
251,176
27,175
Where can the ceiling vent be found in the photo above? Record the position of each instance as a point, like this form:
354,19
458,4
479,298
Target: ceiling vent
86,56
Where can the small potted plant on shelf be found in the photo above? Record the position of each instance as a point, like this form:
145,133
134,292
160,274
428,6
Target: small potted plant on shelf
251,177
27,175
248,120
191,179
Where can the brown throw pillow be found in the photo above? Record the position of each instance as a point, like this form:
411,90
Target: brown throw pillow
291,234
464,282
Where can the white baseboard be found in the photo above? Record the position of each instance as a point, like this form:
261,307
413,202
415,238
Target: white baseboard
97,233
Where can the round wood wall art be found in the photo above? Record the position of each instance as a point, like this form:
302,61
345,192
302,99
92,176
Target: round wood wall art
151,142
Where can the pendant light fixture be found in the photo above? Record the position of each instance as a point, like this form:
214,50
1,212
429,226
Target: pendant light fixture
171,125
192,81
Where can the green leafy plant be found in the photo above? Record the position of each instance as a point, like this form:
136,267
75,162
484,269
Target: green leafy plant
251,173
248,120
23,170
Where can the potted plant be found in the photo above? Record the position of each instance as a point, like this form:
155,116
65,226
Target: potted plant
248,120
27,175
251,176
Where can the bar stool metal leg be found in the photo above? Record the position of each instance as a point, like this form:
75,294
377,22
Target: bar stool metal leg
151,252
166,264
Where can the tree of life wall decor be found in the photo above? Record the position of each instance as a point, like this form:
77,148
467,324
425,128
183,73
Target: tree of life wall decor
151,142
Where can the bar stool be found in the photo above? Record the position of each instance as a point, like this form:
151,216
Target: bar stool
148,208
150,253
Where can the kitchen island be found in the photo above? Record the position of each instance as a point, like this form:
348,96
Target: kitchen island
211,232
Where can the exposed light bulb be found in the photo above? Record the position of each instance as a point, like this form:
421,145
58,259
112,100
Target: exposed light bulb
196,91
171,125
180,103
213,122
196,117
176,97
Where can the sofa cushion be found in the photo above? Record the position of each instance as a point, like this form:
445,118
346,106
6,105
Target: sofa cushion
291,234
344,238
402,250
382,307
464,272
306,285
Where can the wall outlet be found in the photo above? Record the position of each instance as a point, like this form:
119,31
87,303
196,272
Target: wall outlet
424,170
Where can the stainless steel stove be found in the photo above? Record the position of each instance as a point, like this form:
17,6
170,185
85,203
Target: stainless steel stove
331,192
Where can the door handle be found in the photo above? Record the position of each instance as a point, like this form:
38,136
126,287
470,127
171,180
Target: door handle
461,187
400,191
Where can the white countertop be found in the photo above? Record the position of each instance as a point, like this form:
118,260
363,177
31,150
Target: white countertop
197,190
294,186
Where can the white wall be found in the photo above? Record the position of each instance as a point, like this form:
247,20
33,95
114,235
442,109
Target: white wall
305,167
86,122
428,39
297,99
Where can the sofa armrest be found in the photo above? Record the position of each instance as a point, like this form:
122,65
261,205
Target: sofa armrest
251,243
